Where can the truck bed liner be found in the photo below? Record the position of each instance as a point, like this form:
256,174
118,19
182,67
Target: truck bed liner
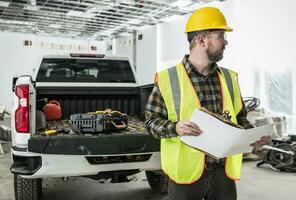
83,100
133,140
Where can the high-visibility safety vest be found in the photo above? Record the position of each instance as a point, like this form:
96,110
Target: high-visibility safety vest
182,163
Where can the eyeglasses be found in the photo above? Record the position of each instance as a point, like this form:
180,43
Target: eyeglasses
219,35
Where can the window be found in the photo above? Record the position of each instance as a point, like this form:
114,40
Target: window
85,70
276,90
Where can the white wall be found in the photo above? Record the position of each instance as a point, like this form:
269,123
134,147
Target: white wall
17,59
146,52
172,42
123,46
264,37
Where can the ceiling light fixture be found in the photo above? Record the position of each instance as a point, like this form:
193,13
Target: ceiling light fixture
55,26
32,7
74,13
134,21
4,3
106,32
182,3
171,18
16,22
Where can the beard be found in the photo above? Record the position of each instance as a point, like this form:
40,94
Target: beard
215,56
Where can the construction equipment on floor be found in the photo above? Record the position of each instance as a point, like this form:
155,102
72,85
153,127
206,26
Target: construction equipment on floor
281,156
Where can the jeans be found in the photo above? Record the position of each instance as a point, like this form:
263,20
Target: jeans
213,185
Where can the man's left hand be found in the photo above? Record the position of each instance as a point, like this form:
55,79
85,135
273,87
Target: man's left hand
263,141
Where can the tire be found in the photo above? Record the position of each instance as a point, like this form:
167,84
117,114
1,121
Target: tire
27,189
158,181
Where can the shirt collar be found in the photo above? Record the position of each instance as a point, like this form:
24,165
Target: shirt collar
189,67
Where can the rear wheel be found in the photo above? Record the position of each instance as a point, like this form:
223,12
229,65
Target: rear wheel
158,181
27,189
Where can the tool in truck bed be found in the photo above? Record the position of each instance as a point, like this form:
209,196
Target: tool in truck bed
99,121
57,126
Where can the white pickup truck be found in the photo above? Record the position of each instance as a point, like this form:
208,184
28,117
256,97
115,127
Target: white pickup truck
81,83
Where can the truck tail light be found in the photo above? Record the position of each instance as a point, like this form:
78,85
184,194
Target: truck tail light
22,112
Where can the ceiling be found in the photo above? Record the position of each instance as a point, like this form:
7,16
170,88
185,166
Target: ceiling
89,19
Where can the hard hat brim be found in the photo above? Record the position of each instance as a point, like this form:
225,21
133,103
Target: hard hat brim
226,28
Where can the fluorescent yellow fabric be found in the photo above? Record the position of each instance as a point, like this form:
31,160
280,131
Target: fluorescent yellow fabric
167,94
233,165
180,162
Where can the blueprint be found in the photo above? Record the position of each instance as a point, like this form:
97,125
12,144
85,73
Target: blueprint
220,139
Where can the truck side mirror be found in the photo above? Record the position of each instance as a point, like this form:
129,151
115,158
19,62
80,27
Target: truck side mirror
14,79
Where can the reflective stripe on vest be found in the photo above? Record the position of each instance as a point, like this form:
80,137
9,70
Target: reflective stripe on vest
228,82
174,80
180,162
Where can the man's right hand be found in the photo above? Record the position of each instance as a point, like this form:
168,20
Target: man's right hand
187,128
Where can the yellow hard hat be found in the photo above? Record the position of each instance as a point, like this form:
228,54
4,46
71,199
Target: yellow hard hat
207,18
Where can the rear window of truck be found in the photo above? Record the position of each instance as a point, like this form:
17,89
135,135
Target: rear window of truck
84,70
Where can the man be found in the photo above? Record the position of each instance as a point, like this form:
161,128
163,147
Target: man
197,82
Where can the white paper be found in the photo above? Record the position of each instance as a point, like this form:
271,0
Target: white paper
220,139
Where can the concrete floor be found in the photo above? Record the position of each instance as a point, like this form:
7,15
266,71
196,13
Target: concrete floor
256,184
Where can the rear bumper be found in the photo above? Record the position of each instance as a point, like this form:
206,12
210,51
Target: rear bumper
80,155
79,165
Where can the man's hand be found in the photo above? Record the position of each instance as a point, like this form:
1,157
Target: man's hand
187,128
263,141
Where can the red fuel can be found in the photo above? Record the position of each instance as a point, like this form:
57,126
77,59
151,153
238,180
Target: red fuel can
52,110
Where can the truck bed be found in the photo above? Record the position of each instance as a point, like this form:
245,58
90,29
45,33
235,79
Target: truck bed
135,139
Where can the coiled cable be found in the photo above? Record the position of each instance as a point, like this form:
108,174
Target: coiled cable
251,103
279,160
